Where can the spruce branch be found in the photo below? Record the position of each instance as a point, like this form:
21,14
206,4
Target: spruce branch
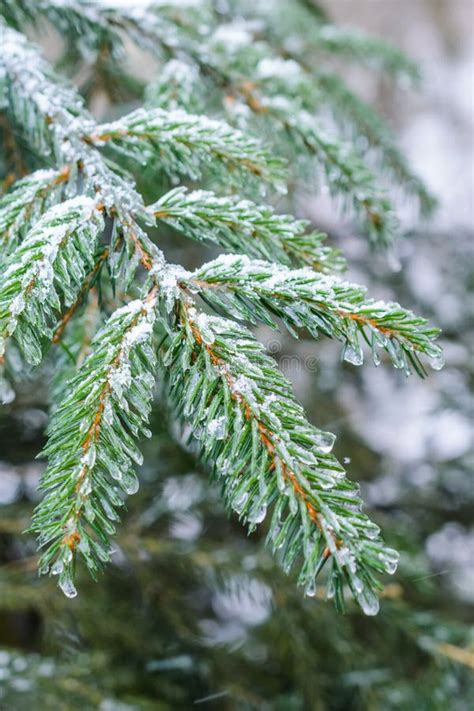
285,96
264,452
46,270
308,88
256,290
349,177
345,174
284,93
278,87
29,198
93,24
242,226
351,112
277,90
365,48
40,104
91,443
319,36
231,394
55,122
182,143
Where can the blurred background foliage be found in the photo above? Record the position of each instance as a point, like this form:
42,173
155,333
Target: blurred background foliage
195,614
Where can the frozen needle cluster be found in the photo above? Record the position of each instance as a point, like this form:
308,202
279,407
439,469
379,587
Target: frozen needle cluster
84,284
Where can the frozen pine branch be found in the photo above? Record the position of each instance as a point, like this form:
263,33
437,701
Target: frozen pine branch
46,271
52,118
310,23
262,450
162,25
256,290
91,449
84,283
365,48
93,25
259,81
241,226
26,202
181,144
347,175
40,105
357,118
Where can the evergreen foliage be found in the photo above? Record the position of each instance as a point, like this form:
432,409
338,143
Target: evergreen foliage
77,235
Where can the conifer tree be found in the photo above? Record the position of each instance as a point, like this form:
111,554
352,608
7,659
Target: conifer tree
238,111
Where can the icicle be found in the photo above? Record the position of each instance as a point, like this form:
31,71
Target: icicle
368,601
130,482
357,583
239,503
324,441
371,530
258,514
389,558
437,361
67,586
57,567
352,353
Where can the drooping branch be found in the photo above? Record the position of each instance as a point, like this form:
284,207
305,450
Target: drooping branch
256,290
263,451
91,444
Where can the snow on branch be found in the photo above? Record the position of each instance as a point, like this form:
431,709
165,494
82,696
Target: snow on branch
156,27
54,122
264,454
277,85
60,226
22,206
242,226
46,271
91,444
256,290
181,144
